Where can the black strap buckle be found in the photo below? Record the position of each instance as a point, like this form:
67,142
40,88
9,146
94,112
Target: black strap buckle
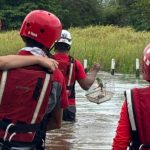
20,128
144,146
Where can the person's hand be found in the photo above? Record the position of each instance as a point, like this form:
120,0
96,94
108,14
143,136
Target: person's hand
48,63
95,67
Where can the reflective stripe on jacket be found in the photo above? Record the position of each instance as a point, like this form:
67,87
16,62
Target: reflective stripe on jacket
68,70
138,102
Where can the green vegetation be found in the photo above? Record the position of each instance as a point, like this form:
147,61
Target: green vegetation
10,42
102,43
97,44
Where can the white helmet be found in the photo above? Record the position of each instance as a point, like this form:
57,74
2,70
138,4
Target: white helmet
65,37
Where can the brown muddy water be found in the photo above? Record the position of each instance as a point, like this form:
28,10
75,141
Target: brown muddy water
96,123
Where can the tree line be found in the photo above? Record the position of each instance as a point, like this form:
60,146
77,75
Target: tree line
80,13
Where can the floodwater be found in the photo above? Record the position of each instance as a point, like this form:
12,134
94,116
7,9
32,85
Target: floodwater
96,123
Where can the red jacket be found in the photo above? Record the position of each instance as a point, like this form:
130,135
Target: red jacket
24,100
57,77
123,132
24,96
77,74
138,111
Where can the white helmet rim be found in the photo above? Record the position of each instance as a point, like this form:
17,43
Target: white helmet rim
65,37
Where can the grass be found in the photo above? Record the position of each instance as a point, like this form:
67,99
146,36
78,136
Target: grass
102,43
10,42
97,44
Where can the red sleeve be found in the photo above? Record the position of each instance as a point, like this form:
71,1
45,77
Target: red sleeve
58,76
80,73
123,131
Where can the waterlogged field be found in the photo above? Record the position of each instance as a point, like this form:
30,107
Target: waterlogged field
96,44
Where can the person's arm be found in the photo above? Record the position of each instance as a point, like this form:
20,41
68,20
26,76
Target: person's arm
87,82
16,61
55,119
123,132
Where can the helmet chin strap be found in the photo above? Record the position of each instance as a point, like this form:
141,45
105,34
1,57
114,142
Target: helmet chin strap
52,47
49,51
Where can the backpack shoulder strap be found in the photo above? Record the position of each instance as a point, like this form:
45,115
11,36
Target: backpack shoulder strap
130,106
41,98
2,84
71,59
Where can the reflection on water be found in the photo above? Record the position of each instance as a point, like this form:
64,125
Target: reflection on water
96,123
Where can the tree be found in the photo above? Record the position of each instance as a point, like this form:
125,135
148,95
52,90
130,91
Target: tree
13,11
140,15
81,12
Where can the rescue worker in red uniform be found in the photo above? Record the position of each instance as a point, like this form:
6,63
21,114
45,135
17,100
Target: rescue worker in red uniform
133,129
32,98
73,71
